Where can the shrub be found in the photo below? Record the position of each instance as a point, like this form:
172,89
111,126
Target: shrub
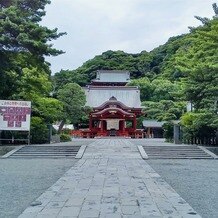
199,125
38,131
168,131
66,131
65,138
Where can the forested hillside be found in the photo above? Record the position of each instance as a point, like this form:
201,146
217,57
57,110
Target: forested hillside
24,73
184,69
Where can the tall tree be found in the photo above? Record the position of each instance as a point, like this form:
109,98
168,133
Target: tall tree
73,98
24,74
23,41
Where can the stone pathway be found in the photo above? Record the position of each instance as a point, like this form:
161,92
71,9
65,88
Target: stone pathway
111,180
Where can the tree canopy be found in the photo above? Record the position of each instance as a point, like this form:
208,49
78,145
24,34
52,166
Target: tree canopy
24,73
184,69
23,42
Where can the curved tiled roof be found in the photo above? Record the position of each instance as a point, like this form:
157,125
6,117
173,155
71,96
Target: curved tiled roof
112,76
97,95
113,109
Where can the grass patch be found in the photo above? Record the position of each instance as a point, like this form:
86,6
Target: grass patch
5,149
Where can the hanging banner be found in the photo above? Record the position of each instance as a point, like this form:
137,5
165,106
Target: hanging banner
15,115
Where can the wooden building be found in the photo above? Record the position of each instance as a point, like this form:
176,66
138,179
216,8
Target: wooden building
115,105
153,128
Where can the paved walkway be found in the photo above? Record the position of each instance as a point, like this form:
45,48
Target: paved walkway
111,180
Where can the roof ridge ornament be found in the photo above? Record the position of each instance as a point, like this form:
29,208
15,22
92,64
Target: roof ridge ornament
112,98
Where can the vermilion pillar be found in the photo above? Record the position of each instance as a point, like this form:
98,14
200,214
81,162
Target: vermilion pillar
90,121
134,123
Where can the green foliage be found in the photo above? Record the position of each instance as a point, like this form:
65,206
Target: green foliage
20,29
69,76
201,125
38,131
137,64
33,82
49,109
168,131
184,69
66,131
24,74
23,43
164,89
139,122
35,86
145,87
65,138
158,89
164,109
73,98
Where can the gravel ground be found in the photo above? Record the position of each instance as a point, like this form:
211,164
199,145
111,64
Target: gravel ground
22,181
195,180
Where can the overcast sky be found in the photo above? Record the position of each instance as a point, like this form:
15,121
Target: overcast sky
95,26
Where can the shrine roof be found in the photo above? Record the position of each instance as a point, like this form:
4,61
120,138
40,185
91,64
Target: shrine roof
112,76
113,109
153,123
128,95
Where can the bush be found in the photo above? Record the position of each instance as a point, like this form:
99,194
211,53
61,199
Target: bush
199,125
65,138
66,131
168,131
38,131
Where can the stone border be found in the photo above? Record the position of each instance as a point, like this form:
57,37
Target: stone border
12,152
208,152
142,152
81,151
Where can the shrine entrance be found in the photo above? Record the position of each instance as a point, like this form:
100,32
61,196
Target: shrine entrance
114,105
113,127
113,119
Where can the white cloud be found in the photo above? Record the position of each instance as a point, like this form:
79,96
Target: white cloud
130,25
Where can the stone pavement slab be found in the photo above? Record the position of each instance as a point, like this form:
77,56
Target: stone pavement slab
111,180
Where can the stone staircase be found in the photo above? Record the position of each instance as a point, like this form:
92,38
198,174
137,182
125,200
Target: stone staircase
176,152
46,152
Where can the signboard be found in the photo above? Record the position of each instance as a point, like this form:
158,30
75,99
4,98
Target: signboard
15,115
113,124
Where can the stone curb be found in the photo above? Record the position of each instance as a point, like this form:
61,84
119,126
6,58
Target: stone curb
208,152
12,152
142,152
81,151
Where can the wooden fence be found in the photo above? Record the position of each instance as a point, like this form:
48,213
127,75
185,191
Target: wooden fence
212,141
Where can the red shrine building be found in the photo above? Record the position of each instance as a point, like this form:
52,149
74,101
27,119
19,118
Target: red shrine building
115,105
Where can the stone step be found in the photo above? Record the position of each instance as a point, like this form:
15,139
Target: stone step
170,157
176,152
38,157
46,152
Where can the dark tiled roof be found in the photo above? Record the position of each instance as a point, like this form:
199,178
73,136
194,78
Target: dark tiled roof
152,123
113,76
97,95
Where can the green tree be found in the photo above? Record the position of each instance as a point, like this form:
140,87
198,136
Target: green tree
35,86
24,74
69,76
196,59
201,125
73,98
164,110
39,131
23,42
146,89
